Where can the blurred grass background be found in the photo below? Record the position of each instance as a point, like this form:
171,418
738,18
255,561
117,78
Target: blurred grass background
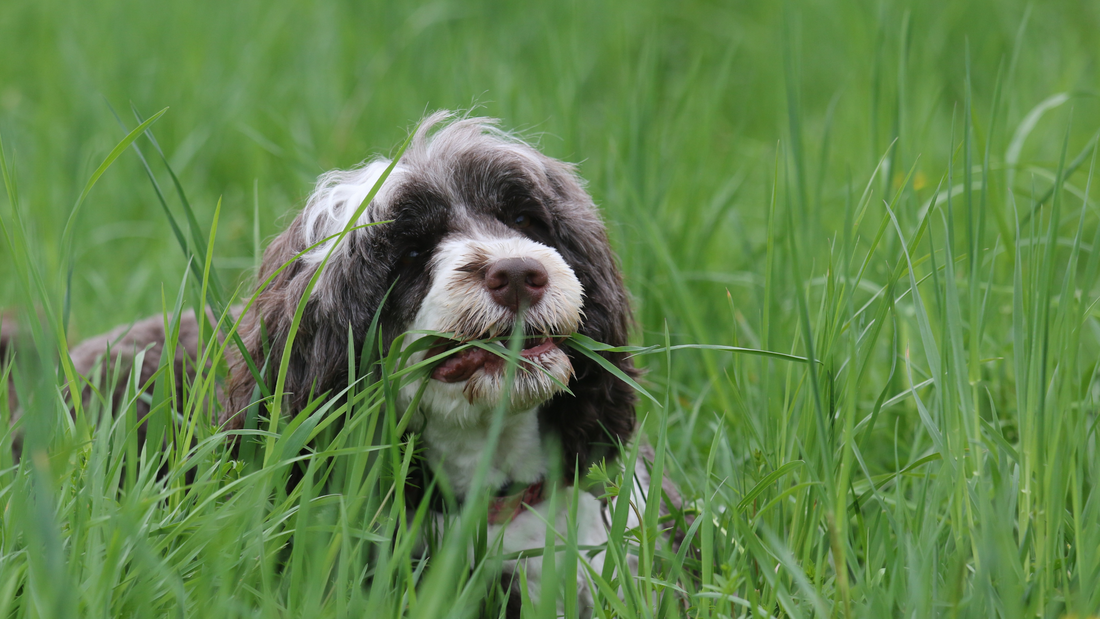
674,111
690,120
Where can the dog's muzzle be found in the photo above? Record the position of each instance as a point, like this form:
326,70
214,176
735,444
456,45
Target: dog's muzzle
518,285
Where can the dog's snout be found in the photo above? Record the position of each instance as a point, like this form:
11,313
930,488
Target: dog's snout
513,282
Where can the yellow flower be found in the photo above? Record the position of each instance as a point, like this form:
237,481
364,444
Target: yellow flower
919,181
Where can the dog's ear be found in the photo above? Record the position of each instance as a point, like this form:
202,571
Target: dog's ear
319,357
600,414
262,324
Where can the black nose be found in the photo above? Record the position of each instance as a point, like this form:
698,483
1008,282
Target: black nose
513,282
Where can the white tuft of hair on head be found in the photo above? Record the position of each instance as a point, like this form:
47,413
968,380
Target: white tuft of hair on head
441,136
336,198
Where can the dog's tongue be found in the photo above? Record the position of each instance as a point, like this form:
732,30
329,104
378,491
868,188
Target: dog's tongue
462,365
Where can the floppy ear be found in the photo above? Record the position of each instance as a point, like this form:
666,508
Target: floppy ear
600,414
262,325
319,357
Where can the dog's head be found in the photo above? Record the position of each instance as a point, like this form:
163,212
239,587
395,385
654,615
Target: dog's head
481,227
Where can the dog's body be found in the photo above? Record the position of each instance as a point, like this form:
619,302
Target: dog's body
481,228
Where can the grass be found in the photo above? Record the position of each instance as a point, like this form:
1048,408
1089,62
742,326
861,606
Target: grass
902,193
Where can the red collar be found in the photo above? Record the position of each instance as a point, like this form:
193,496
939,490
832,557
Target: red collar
503,509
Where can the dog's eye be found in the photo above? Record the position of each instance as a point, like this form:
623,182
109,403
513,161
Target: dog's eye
410,256
522,221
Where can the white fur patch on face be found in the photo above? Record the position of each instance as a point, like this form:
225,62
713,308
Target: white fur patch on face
458,302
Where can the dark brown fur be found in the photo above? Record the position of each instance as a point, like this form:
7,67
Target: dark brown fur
99,359
7,351
493,176
590,423
125,344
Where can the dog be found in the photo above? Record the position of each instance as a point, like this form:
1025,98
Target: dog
475,227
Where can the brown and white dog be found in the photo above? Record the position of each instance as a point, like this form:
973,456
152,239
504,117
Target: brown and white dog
481,225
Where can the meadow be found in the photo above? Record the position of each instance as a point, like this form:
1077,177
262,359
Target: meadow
898,198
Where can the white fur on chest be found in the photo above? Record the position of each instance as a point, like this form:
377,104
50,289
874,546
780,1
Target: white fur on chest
528,531
456,450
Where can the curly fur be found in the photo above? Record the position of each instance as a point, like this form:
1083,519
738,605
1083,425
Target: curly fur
466,161
453,206
450,198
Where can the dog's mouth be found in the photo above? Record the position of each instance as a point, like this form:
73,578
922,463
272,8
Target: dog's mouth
462,365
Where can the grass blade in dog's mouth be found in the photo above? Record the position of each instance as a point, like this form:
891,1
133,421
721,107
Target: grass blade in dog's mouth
463,364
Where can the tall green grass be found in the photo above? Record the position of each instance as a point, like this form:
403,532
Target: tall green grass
899,197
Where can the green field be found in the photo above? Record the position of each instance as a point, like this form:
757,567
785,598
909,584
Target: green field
901,193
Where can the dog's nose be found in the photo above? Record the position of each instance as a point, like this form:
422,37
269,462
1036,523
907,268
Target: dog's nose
513,282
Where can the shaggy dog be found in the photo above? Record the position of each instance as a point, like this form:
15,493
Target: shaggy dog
481,227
